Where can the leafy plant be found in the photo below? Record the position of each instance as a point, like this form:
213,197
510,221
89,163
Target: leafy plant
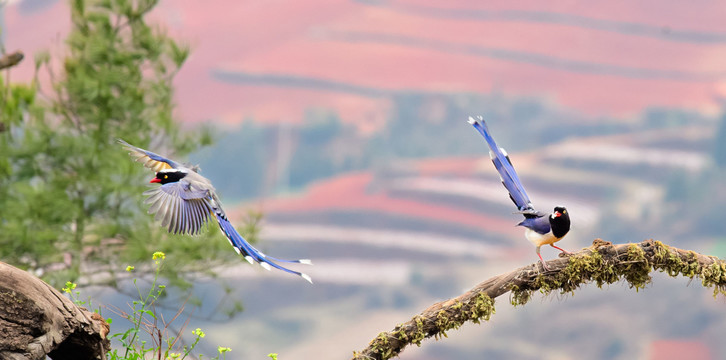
150,334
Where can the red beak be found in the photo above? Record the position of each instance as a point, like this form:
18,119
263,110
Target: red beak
557,213
155,180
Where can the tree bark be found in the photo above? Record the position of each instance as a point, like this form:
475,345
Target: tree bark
602,263
37,320
11,59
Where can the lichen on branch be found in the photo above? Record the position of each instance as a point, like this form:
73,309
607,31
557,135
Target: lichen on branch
602,263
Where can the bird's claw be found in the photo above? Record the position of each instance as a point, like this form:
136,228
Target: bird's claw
544,266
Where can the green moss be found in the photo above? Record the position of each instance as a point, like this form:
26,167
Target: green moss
669,261
714,275
479,308
381,346
636,270
443,323
420,334
588,268
401,334
691,268
519,296
482,308
660,252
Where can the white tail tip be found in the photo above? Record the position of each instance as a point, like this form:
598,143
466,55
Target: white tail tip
305,261
471,120
265,266
250,259
306,277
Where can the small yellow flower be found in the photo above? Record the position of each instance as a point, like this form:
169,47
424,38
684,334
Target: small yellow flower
159,255
223,350
199,332
70,286
129,268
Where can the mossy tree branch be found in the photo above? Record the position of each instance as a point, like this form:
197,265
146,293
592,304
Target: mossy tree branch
602,263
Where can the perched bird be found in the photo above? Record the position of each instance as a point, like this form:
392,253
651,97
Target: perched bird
541,228
185,201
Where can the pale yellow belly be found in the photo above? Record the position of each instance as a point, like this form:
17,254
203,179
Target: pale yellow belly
538,239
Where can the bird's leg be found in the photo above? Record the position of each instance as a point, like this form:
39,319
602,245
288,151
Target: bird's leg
560,249
544,265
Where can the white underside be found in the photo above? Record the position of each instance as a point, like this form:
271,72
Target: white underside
538,239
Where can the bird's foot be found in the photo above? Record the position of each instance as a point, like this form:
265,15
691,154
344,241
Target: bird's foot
544,266
561,249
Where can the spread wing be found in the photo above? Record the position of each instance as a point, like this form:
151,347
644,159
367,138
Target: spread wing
179,207
151,160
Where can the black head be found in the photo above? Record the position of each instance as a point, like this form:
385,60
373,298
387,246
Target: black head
560,221
168,176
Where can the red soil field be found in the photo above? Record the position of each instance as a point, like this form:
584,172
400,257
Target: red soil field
399,48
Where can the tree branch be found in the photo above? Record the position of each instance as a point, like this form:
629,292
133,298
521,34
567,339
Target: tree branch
36,319
11,59
602,263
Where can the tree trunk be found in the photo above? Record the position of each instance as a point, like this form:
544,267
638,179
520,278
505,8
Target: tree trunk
37,320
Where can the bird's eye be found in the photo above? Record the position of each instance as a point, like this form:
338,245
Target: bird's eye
564,211
166,176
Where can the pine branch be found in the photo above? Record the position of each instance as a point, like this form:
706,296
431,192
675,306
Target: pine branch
7,61
602,263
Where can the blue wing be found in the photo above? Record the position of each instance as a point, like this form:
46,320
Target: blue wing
541,224
509,177
151,160
250,253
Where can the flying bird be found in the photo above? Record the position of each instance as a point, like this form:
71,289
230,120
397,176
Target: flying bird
541,228
185,201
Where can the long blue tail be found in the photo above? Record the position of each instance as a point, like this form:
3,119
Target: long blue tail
251,254
501,161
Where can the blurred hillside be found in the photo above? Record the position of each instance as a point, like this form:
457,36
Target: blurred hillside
390,240
274,60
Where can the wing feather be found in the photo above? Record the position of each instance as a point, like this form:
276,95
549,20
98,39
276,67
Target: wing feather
150,160
175,212
541,224
188,217
180,209
198,217
183,227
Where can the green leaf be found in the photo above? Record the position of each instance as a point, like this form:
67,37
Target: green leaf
148,312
